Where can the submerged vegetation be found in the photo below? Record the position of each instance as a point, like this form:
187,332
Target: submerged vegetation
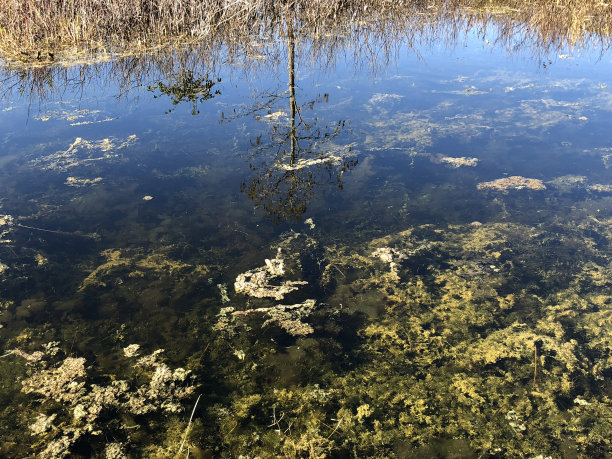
458,353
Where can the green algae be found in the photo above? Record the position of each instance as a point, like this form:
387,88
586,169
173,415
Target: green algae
435,338
429,339
453,356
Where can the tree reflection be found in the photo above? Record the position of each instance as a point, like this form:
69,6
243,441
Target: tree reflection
187,88
299,158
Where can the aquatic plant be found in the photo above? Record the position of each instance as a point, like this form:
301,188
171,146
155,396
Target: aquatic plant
453,356
264,282
83,152
512,183
65,388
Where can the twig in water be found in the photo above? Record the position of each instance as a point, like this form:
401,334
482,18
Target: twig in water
339,270
535,365
276,422
188,426
54,231
336,428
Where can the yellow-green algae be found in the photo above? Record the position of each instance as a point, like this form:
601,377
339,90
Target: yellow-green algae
468,345
459,356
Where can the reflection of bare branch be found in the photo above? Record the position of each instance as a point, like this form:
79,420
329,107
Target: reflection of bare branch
298,157
266,104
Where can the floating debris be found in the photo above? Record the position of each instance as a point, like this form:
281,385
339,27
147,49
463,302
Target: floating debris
147,198
389,255
392,256
468,91
581,402
335,154
60,384
33,357
256,282
275,116
77,182
114,451
66,115
40,260
240,354
80,152
84,404
264,282
512,88
288,317
303,163
515,421
515,182
5,220
42,424
83,123
223,292
599,188
74,115
310,223
132,350
455,162
380,98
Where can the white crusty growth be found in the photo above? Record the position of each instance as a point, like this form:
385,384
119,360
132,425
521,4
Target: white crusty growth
257,282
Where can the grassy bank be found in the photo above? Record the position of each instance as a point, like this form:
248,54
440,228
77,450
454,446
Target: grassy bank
155,40
41,29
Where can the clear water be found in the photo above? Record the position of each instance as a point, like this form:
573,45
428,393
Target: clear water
479,327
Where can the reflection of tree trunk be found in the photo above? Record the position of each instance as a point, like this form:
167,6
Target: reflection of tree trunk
292,102
285,187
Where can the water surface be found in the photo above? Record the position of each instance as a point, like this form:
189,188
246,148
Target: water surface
447,213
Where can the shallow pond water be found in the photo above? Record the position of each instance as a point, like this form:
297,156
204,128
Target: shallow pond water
340,257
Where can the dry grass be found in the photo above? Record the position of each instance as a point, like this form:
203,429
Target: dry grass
150,40
546,24
37,27
40,29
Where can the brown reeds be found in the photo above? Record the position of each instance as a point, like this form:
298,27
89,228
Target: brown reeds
155,39
39,29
